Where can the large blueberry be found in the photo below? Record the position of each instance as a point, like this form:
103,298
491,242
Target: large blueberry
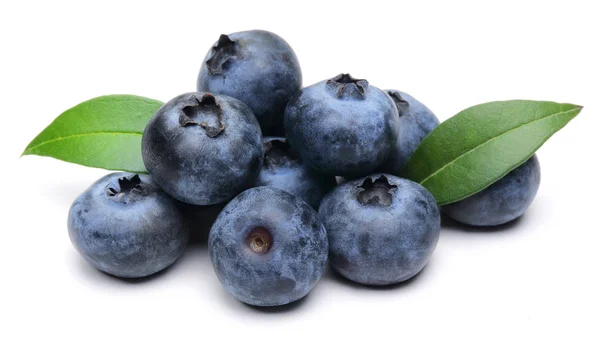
342,126
257,67
502,201
416,122
127,226
284,169
203,149
268,247
382,229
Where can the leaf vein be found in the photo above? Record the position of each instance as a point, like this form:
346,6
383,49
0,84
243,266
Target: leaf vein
81,135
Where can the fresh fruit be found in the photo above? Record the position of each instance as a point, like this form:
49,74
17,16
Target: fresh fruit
284,169
256,67
346,144
126,226
503,201
268,247
416,122
203,149
342,126
382,229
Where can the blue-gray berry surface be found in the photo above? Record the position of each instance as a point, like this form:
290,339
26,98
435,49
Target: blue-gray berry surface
125,225
501,202
284,169
256,67
268,247
382,229
203,149
342,126
416,122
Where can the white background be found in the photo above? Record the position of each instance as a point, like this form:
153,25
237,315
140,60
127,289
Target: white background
536,280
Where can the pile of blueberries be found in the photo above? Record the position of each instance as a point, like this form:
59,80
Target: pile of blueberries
286,213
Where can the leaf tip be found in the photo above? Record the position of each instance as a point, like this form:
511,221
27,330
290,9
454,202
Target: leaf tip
574,107
25,152
577,109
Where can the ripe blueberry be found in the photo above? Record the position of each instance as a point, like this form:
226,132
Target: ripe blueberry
203,149
256,67
284,169
416,122
268,247
126,226
342,126
382,229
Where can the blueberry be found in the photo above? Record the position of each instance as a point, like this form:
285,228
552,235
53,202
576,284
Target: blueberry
342,126
125,225
503,201
416,122
203,149
268,247
284,169
256,67
382,229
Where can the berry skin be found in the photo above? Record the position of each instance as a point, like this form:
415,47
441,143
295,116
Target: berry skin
126,226
382,229
268,247
284,169
342,126
416,122
501,202
203,149
256,67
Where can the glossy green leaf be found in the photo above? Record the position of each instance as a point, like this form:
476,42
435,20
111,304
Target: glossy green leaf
104,132
481,144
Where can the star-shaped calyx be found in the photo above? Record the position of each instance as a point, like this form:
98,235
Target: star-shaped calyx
206,113
377,192
222,52
126,185
345,85
278,152
401,104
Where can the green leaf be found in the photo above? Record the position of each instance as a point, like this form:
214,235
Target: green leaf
104,132
481,144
